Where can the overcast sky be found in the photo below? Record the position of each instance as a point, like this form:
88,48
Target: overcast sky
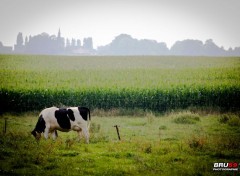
162,20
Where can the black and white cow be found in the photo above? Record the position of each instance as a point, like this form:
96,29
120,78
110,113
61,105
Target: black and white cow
63,119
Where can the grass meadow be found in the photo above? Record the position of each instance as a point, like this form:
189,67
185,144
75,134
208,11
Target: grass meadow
177,115
176,143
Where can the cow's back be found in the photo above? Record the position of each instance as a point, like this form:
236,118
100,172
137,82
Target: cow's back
48,115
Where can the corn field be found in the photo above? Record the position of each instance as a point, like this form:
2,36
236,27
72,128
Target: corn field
150,83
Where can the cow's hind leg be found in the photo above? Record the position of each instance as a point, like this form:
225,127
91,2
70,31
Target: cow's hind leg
54,135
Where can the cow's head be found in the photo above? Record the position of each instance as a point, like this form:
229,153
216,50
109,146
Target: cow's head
36,134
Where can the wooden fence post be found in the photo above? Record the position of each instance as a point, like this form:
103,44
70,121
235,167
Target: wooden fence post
116,126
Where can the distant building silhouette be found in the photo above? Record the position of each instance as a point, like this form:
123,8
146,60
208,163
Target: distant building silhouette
5,49
60,43
50,44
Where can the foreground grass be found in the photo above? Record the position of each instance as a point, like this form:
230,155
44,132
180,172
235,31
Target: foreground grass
150,145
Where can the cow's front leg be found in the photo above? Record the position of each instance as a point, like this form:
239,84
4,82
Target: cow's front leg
79,135
46,131
54,135
86,135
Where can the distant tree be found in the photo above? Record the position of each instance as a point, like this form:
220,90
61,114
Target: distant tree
78,43
124,44
73,43
30,38
26,40
67,43
236,51
211,49
19,39
87,43
188,48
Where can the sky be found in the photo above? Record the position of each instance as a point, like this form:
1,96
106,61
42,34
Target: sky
161,20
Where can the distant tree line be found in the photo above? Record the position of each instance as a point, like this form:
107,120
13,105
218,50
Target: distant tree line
126,45
123,44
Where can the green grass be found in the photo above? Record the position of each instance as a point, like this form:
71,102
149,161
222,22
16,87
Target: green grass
153,83
150,145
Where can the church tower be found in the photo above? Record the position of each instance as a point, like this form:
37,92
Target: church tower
60,42
59,33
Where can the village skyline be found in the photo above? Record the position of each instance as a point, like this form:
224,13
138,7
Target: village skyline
123,44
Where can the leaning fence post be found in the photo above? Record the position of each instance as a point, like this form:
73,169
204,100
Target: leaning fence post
5,126
117,131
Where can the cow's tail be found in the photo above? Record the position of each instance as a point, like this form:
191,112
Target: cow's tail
89,120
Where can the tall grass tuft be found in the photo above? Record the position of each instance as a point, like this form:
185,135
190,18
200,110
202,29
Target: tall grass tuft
230,119
186,118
